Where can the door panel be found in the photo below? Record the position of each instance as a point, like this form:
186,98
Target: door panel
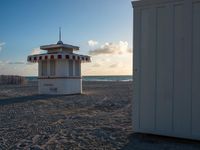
181,101
164,69
147,67
196,71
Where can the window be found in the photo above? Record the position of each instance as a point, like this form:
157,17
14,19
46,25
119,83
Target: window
52,68
44,68
71,67
77,68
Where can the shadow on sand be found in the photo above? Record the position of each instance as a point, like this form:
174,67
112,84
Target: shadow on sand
23,99
138,141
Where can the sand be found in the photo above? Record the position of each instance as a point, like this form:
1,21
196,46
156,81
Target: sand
98,119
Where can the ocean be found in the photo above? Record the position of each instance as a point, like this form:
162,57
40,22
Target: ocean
96,78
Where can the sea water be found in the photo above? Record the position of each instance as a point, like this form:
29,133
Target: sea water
96,78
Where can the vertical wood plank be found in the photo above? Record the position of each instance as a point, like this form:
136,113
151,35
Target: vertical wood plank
164,69
181,93
136,69
148,47
196,71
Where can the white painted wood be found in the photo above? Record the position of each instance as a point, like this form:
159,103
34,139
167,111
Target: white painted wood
196,71
80,70
48,67
74,68
166,67
181,101
52,67
60,86
71,68
147,94
61,68
67,68
44,68
136,69
77,68
63,82
39,68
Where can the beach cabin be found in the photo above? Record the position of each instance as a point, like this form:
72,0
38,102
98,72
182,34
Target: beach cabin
166,69
59,70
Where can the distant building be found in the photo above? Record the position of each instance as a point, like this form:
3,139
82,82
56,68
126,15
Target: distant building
59,70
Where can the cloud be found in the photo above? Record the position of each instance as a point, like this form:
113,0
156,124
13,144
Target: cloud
36,51
113,65
1,45
129,50
96,65
7,62
17,63
92,43
119,64
4,62
111,48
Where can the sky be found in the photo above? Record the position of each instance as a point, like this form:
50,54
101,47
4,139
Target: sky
101,28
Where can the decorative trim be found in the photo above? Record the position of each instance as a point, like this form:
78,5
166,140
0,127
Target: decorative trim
152,2
36,58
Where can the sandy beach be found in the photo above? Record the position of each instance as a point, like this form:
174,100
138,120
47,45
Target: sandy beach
98,119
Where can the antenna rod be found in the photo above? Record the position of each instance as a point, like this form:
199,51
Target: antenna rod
59,33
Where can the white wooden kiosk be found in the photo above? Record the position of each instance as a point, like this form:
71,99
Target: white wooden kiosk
59,70
166,97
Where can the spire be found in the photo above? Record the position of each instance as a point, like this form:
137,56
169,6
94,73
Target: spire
59,33
59,42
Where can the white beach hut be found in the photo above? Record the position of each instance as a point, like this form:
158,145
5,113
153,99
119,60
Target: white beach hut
59,70
167,67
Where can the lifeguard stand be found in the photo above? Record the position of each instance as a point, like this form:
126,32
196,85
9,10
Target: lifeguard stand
59,70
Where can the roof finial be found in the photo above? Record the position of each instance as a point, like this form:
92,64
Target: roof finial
59,42
59,33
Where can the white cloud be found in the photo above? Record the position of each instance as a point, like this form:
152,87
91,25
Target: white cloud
96,65
2,63
1,45
92,43
17,63
114,65
18,68
110,58
36,51
8,62
118,64
111,48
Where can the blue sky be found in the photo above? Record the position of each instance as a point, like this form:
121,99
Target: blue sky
27,24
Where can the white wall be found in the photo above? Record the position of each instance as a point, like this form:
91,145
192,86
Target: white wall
39,68
62,82
77,68
60,86
166,68
71,68
62,68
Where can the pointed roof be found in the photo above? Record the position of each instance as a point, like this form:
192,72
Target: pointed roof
59,44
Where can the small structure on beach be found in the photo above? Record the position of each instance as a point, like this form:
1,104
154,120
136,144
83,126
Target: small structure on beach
59,70
166,70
